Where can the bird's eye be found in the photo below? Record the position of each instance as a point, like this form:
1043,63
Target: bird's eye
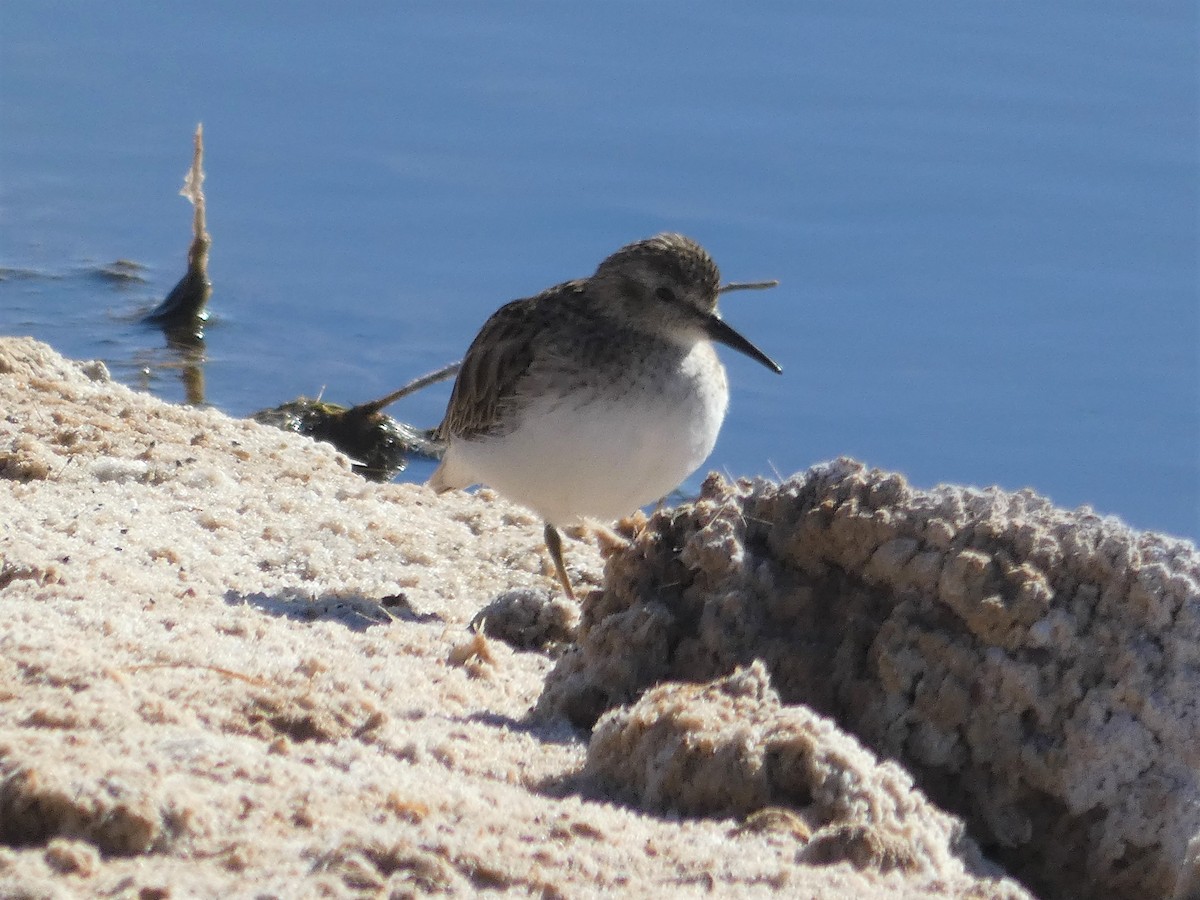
665,294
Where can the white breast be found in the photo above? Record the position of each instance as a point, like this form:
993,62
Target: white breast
601,455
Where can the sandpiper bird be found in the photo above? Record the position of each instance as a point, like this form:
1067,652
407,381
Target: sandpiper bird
597,396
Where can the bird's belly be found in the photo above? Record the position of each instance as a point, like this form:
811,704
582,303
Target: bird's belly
601,455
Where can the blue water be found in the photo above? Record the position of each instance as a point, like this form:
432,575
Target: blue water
984,215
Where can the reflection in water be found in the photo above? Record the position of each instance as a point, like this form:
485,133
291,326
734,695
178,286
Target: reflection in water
189,349
185,353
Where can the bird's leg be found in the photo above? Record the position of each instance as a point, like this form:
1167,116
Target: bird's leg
554,545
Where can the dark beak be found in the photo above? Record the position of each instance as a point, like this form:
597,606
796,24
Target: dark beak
720,331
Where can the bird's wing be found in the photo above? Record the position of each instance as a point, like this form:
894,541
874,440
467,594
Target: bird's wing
498,359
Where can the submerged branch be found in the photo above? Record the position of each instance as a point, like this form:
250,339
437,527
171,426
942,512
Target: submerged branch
183,313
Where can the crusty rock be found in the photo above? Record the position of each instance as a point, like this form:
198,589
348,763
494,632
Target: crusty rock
529,619
1037,670
729,748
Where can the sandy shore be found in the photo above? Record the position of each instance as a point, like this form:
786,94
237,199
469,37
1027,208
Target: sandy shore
230,667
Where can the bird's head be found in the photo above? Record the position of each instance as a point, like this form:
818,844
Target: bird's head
668,284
